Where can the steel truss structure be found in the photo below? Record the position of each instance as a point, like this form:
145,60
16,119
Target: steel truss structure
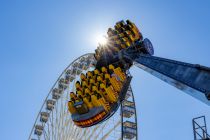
200,128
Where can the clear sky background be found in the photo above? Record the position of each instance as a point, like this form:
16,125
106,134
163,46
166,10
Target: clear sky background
38,39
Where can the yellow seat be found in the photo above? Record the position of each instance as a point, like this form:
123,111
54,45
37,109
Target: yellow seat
83,77
115,84
91,82
100,79
104,103
108,93
71,107
85,84
95,101
94,89
89,74
87,91
100,101
80,94
118,71
87,102
96,72
73,96
104,69
78,86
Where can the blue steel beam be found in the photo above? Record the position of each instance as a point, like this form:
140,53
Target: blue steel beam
193,79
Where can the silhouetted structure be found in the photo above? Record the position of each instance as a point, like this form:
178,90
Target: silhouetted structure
200,129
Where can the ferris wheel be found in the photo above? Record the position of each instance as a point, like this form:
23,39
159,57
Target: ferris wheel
54,121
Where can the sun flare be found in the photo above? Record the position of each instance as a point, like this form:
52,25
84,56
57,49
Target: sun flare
101,40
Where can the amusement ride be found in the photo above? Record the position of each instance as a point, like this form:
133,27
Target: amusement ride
93,99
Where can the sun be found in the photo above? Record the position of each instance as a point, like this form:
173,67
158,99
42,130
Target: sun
101,40
98,38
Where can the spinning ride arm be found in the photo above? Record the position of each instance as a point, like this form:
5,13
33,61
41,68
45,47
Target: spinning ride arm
193,79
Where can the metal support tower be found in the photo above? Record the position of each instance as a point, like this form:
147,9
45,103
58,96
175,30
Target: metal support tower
200,129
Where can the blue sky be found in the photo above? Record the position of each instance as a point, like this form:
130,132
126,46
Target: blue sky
38,39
